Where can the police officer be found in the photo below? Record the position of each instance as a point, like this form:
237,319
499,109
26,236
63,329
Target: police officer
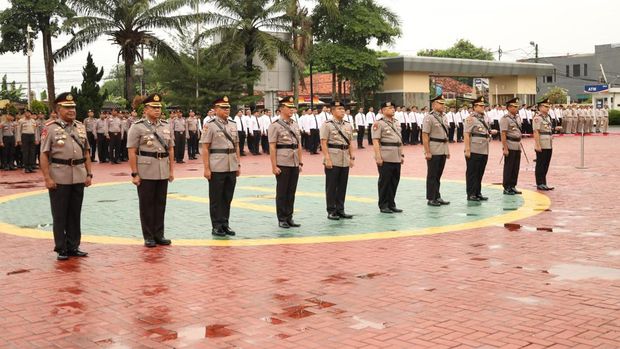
477,137
388,147
66,167
222,166
179,126
102,141
194,133
543,138
7,143
115,135
286,161
91,132
435,141
27,137
150,147
336,136
510,127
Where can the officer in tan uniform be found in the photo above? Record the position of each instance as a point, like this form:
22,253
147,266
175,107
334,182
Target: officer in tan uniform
150,147
179,127
477,137
115,135
194,135
589,119
435,140
388,148
65,163
604,120
222,166
336,136
285,153
543,138
91,131
510,127
567,119
7,143
27,137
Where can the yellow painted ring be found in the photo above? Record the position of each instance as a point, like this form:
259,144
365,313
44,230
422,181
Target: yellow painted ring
533,204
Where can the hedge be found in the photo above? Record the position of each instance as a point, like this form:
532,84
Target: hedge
614,117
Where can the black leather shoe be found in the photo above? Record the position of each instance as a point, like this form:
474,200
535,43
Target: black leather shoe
508,192
229,231
163,241
442,202
150,243
78,253
283,225
292,224
396,210
344,215
473,198
541,187
549,188
433,203
482,198
386,210
218,232
514,190
62,256
333,216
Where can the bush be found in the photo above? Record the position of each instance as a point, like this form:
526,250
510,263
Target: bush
614,117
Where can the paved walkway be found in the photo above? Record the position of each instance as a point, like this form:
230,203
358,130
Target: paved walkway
550,280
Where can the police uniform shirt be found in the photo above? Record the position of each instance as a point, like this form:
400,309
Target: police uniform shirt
388,131
142,138
125,123
432,125
192,124
280,135
542,124
115,125
214,135
329,132
478,130
512,126
26,126
90,124
8,129
61,141
102,126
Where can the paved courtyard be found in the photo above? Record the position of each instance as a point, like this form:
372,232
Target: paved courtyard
534,271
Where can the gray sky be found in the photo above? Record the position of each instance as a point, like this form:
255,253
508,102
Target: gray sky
559,27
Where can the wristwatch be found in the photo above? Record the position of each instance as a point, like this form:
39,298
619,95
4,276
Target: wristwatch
134,174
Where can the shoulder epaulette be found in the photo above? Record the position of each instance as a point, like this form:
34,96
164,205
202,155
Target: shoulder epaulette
212,120
164,121
51,122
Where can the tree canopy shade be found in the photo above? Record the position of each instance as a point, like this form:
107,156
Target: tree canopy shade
89,96
43,16
461,49
129,24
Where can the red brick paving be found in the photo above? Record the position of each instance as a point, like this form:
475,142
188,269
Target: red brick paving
482,288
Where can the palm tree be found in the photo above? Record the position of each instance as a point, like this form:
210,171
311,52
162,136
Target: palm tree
248,28
129,24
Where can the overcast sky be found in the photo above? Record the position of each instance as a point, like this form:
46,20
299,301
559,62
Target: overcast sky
559,27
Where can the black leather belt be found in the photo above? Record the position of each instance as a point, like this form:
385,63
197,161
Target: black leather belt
338,146
153,155
389,144
286,146
222,151
480,135
514,139
69,162
439,140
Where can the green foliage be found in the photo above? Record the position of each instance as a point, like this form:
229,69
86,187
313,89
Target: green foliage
386,53
43,95
39,107
461,49
556,95
614,117
89,95
10,91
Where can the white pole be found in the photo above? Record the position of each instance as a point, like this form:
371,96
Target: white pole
29,53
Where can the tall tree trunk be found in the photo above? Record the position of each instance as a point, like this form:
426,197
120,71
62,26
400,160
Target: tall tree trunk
129,86
333,83
48,59
249,68
339,87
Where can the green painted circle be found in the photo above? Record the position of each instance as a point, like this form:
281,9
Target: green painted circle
112,210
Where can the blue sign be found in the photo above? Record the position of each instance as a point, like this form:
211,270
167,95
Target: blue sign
438,90
595,88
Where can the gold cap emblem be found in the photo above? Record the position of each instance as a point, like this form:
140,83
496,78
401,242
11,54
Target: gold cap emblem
69,97
156,98
225,98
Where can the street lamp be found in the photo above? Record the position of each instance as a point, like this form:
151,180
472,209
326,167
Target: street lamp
29,53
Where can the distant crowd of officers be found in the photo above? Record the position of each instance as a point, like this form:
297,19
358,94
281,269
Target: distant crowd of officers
68,148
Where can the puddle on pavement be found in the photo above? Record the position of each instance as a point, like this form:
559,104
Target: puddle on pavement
575,272
297,312
217,331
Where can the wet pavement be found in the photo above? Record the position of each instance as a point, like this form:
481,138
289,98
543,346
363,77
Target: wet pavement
548,280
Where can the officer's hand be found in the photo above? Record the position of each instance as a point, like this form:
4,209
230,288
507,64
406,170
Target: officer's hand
88,182
379,162
329,164
171,178
505,152
351,163
402,161
276,171
238,173
538,149
50,184
448,156
428,156
18,143
1,145
494,132
467,154
136,180
207,174
36,142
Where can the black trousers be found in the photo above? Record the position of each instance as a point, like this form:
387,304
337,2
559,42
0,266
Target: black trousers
434,172
404,133
124,152
242,137
92,142
360,136
315,139
28,151
304,140
336,180
286,186
389,177
459,132
152,202
495,126
512,162
179,145
102,145
66,204
415,133
221,190
115,146
264,142
543,159
451,132
8,152
256,142
370,134
192,144
476,164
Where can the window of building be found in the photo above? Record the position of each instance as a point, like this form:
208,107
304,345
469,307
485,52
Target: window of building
585,70
548,79
567,70
576,70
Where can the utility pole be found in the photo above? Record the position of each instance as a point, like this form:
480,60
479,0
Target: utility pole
535,50
197,9
311,88
499,53
29,53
